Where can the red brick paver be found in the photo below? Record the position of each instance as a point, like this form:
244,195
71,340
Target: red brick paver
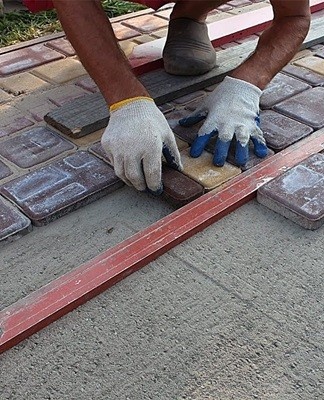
26,58
34,147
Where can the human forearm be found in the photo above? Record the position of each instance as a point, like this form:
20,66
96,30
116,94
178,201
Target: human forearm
276,47
91,34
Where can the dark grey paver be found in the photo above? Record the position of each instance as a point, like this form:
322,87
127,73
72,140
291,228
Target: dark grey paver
306,75
179,189
298,194
34,147
13,223
281,131
281,88
26,58
81,116
306,107
63,186
4,170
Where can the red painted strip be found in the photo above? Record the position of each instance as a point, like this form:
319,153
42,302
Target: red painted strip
148,56
34,312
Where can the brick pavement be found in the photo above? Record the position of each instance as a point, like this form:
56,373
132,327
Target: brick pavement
40,167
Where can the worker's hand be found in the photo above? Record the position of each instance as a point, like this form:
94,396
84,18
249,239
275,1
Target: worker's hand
134,140
231,109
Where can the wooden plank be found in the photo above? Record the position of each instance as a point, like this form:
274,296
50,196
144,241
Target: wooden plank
42,307
81,116
90,113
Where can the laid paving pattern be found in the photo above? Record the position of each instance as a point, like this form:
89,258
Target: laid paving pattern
52,117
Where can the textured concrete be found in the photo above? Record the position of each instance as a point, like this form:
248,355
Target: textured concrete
233,313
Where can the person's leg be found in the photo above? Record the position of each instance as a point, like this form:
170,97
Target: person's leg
188,50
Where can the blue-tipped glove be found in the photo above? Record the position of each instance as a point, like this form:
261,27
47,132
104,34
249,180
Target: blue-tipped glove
231,109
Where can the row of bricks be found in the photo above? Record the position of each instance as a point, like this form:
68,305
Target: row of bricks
281,95
305,108
33,56
296,78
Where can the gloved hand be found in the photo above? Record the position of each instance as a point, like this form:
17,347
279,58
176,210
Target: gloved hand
134,140
231,109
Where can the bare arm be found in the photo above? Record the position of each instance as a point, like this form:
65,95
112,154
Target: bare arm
278,44
90,32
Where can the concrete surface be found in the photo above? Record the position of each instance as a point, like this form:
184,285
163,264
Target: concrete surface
235,312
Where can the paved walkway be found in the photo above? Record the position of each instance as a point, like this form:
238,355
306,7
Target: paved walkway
233,313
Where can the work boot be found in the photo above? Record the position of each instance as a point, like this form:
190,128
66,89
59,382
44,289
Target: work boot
188,50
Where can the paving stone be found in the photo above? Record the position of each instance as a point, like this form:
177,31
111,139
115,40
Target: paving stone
298,194
36,105
33,147
164,13
26,58
15,125
39,112
98,151
313,63
13,223
306,107
146,23
81,116
302,54
310,77
4,97
5,171
281,88
61,187
144,39
87,83
62,45
203,171
160,33
281,131
123,32
127,46
179,189
64,94
60,71
22,83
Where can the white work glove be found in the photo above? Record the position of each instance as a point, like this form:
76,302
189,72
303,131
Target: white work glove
231,109
134,140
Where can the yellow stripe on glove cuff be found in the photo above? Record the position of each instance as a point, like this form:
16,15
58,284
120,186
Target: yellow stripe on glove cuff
123,103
